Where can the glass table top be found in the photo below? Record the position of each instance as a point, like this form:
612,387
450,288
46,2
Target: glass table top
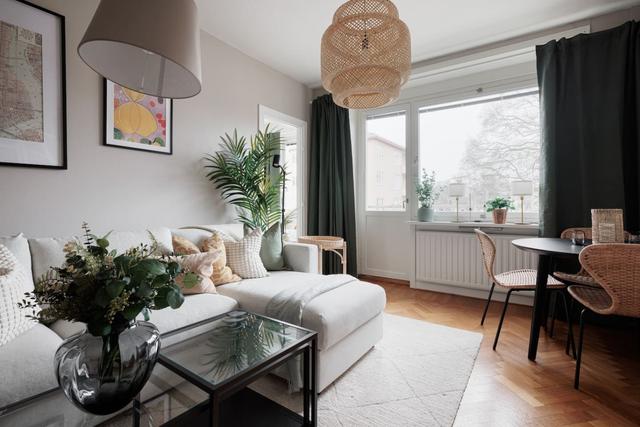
230,346
216,350
50,409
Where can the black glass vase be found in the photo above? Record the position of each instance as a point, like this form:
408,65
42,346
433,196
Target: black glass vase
101,375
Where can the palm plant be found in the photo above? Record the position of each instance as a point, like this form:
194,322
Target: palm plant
242,173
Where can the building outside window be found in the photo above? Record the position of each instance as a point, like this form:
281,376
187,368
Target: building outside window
386,162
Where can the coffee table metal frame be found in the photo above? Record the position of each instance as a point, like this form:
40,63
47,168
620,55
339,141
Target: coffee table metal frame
307,347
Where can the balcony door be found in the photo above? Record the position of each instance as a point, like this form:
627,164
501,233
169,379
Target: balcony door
382,194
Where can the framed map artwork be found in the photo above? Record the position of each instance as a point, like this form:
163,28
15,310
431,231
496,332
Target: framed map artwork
137,121
32,86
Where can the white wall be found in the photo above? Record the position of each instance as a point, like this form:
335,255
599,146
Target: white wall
114,188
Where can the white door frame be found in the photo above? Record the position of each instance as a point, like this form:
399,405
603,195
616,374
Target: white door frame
301,161
361,185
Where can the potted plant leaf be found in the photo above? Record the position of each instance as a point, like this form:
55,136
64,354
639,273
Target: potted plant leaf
242,171
427,193
499,207
102,369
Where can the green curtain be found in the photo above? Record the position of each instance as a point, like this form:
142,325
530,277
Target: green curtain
331,207
589,116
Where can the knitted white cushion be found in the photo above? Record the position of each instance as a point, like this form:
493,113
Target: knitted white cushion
243,257
13,281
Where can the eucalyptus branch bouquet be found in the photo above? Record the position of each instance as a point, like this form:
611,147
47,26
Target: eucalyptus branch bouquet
107,290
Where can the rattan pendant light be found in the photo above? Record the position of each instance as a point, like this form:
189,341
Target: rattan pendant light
366,54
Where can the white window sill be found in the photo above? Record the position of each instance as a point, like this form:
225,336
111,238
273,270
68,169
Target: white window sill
468,227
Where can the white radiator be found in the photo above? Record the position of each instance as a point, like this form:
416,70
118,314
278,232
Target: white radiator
454,259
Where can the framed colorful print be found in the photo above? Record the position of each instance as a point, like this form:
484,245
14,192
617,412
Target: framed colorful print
137,121
33,108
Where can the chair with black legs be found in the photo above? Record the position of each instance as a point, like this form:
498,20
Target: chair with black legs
616,267
580,278
513,281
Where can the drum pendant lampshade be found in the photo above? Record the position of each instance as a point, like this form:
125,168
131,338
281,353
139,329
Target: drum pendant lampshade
366,54
150,46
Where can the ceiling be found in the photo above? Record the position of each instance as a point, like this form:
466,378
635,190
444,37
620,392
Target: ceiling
285,34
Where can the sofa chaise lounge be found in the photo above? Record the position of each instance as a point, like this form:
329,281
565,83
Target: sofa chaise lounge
348,319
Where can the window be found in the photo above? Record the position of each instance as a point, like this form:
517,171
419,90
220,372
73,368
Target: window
386,162
292,132
485,143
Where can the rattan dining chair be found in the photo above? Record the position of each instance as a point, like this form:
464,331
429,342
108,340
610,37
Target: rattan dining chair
514,281
581,277
616,267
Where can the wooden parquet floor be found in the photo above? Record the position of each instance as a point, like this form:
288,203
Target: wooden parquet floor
506,389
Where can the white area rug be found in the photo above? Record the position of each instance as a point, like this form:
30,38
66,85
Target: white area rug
414,377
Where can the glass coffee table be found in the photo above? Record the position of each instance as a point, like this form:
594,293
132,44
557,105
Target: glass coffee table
202,379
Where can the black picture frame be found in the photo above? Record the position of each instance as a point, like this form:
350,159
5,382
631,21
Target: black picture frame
63,93
106,124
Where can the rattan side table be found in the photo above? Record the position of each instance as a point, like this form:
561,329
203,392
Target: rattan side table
337,245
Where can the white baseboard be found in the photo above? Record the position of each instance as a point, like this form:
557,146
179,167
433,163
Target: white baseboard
498,295
385,274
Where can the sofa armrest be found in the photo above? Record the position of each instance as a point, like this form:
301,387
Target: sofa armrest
301,257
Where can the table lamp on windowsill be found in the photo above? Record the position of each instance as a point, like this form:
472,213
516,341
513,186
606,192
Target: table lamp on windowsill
457,190
522,188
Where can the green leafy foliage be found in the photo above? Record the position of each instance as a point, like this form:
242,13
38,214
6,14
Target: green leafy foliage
499,203
106,290
426,189
242,172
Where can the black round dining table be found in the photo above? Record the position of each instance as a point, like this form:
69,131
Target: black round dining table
547,248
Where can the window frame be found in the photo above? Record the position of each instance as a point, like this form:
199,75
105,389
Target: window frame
362,154
429,95
476,215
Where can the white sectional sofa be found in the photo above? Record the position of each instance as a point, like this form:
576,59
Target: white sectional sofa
348,319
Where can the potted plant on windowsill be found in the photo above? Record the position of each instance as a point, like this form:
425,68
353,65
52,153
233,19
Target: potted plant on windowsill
499,207
427,195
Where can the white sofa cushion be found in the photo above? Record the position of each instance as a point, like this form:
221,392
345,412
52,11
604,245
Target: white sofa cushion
19,247
48,252
27,364
198,233
194,309
13,281
123,240
334,314
301,257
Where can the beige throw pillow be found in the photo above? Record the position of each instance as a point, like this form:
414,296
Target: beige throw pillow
202,265
182,246
13,281
244,256
221,272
